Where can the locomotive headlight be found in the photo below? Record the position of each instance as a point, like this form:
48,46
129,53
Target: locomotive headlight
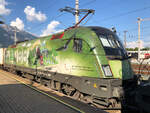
107,71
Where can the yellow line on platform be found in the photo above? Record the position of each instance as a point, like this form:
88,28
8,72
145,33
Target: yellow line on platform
72,107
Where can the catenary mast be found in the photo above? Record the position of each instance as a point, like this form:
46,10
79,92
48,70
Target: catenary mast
77,11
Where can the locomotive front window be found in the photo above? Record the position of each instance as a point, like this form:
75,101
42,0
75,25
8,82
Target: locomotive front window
109,42
112,46
105,42
118,44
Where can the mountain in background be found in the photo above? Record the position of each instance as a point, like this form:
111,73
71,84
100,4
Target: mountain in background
7,36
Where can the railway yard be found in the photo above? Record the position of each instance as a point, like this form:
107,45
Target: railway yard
142,69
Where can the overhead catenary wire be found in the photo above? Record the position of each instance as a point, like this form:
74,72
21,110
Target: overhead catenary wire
124,14
131,33
112,17
135,29
141,35
105,19
131,38
88,3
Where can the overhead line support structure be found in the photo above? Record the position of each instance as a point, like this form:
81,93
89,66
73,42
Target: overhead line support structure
139,41
73,11
125,40
15,35
89,11
77,11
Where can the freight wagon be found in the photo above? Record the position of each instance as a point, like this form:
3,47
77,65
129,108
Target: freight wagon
1,57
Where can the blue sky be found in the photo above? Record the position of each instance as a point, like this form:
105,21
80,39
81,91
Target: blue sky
41,16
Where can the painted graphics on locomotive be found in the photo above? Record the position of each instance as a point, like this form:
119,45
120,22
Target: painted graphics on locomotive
90,59
76,58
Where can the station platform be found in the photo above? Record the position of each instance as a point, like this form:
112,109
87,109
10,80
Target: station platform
16,97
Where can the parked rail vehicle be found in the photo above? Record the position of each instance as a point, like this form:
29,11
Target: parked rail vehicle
87,63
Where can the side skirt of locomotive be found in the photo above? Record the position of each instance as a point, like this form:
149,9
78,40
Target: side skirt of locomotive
96,91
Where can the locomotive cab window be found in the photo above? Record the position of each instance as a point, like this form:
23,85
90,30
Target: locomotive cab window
105,42
77,45
109,42
112,46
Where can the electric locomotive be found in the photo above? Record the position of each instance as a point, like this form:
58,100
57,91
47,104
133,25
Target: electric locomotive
88,63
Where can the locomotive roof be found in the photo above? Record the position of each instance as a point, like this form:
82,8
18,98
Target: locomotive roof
96,29
101,29
105,31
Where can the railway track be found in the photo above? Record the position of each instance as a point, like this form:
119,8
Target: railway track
142,69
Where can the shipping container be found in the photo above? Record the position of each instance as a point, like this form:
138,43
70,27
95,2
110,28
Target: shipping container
1,56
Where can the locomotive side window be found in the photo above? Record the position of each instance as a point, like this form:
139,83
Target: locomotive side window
77,45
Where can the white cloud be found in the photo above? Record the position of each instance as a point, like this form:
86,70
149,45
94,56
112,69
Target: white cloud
18,23
147,44
3,9
51,28
32,15
134,44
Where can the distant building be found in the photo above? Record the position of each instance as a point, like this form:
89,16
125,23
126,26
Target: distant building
143,54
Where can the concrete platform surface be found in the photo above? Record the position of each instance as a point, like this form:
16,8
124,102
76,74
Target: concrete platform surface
18,98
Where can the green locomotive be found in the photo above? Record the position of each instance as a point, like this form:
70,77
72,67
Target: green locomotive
88,63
